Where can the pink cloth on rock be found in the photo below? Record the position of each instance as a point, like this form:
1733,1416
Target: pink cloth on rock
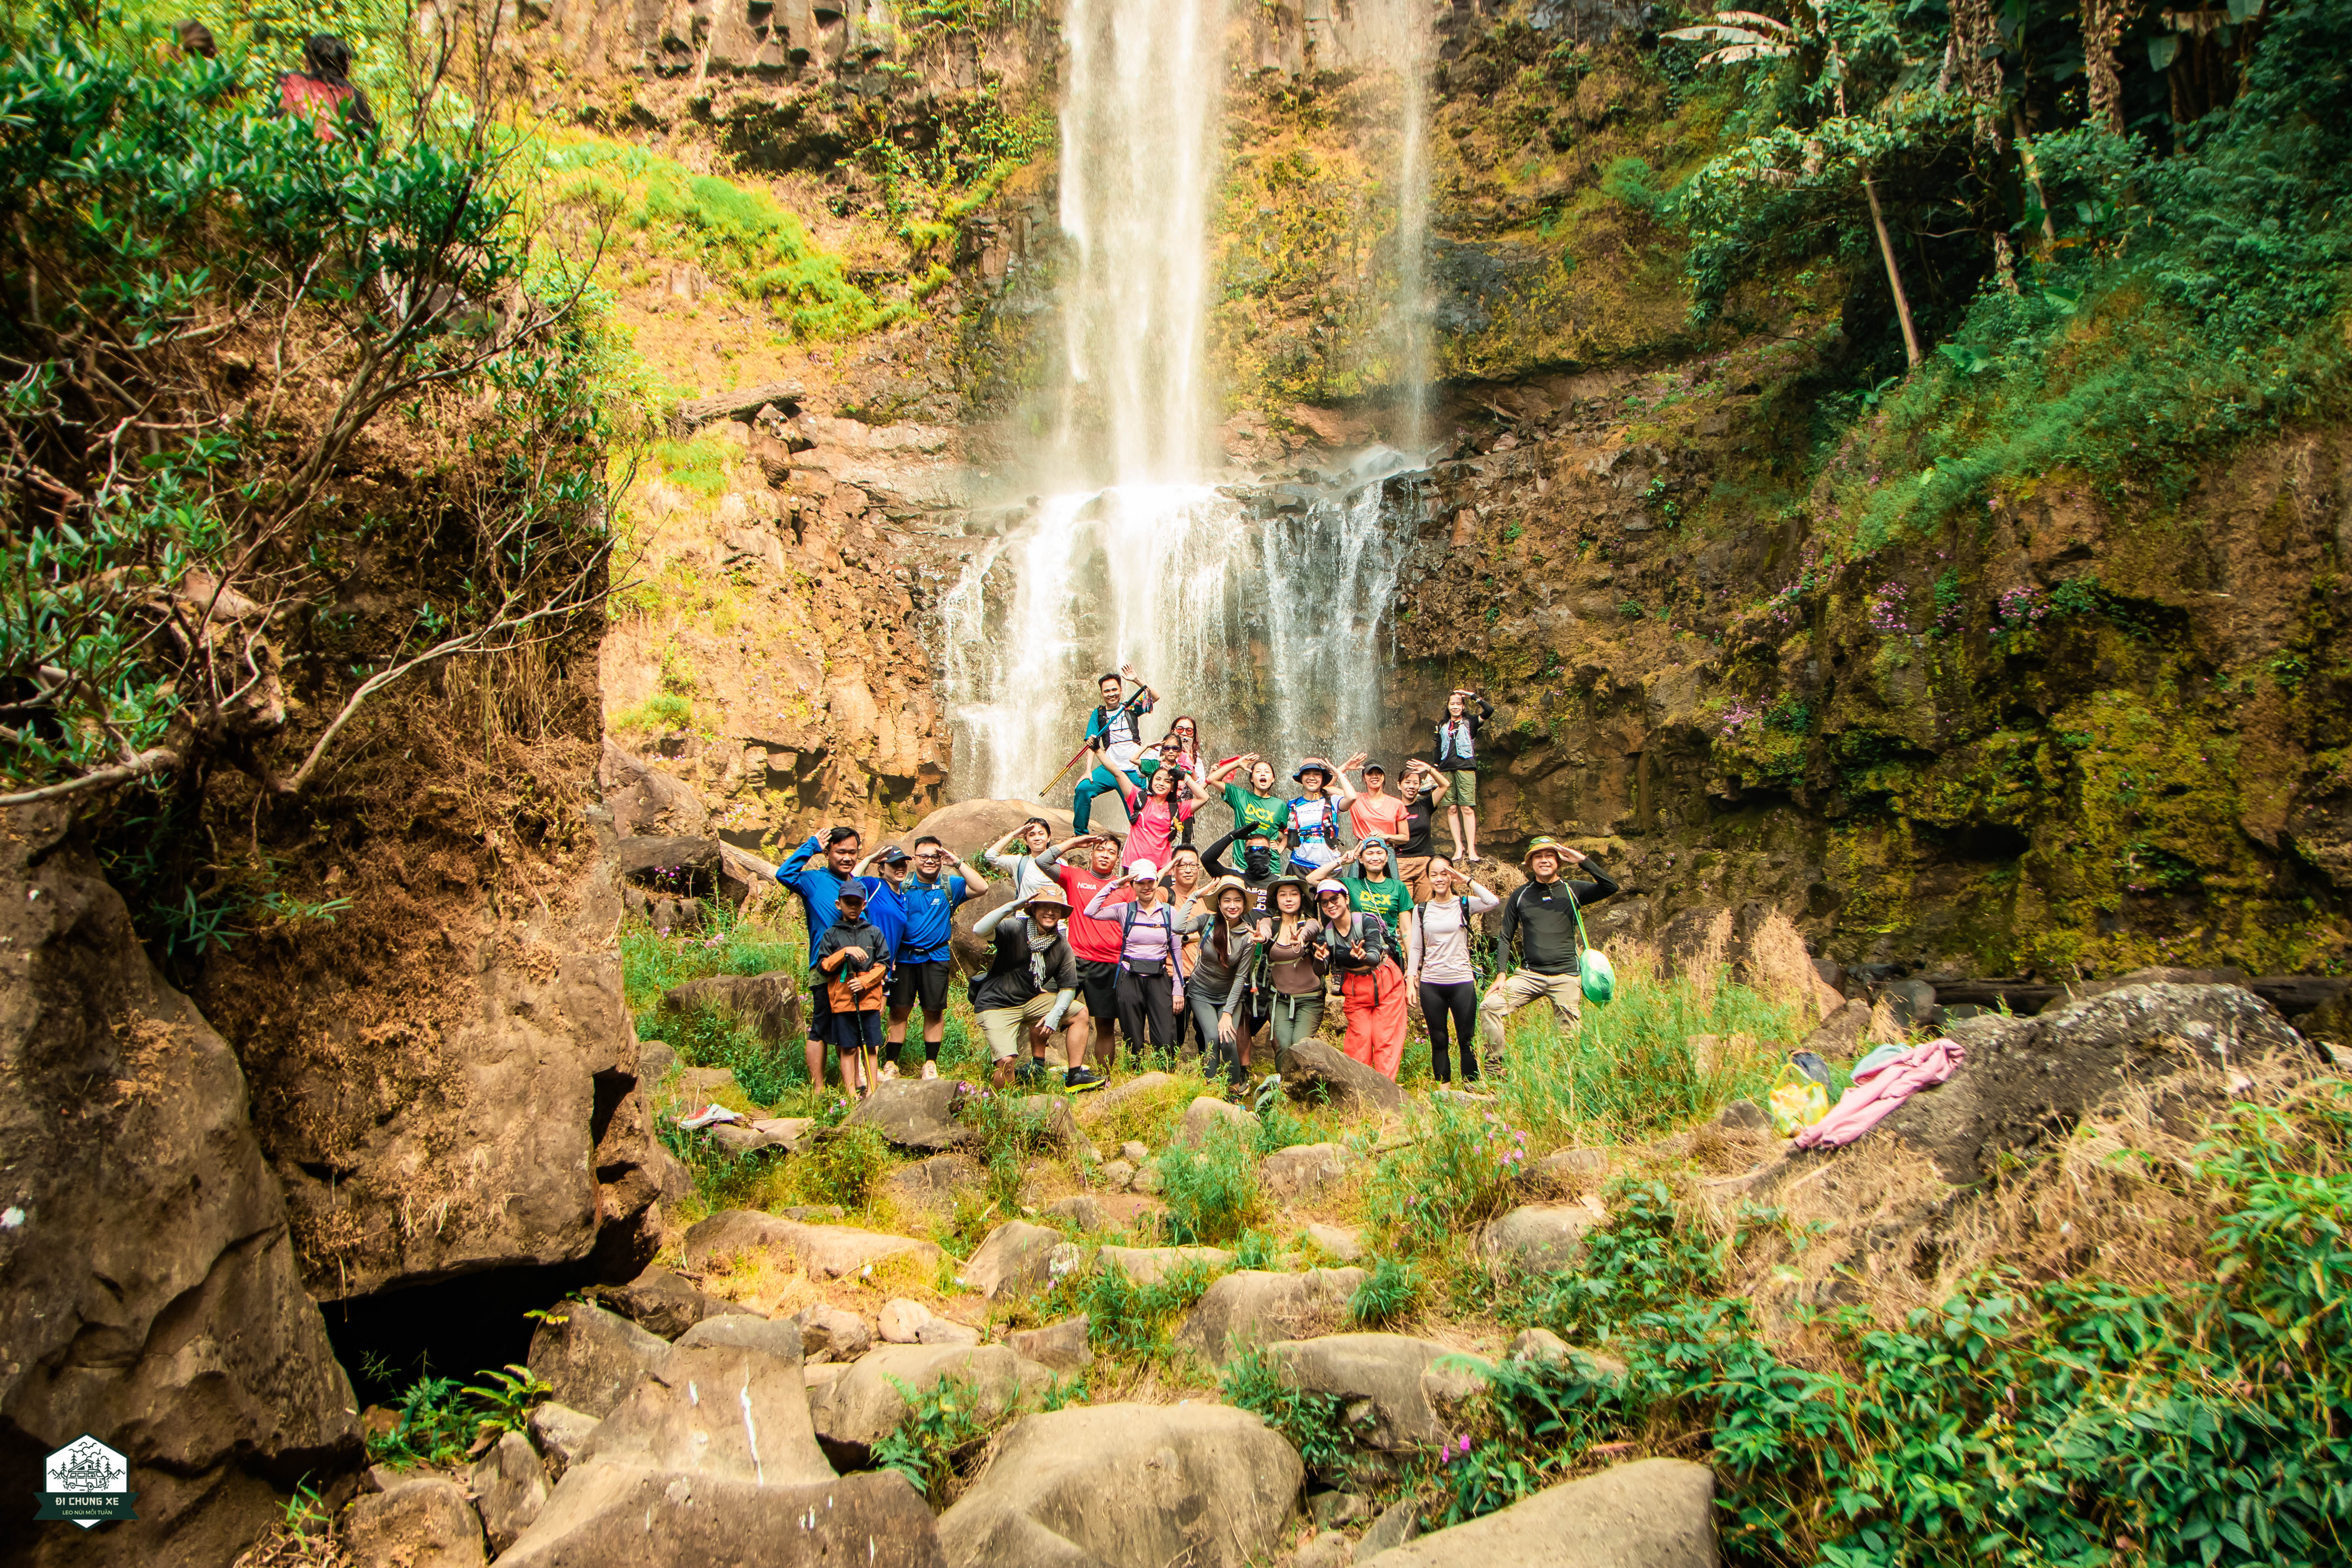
1872,1099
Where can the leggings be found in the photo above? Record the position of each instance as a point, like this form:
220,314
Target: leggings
1203,1009
1146,1011
1459,1002
1296,1018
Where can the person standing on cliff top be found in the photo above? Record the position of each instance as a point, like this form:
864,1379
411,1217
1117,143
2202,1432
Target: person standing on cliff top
925,961
819,890
1457,760
1542,915
1116,740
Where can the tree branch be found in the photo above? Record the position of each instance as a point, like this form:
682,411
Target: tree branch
153,761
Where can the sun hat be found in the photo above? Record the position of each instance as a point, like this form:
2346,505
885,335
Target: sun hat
1218,888
1314,765
1542,843
1048,894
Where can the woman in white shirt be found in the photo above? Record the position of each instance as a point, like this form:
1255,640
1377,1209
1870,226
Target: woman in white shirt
1437,959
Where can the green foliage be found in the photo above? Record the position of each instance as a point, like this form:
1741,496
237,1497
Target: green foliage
1315,1424
662,710
1125,1320
842,1164
1388,1293
2074,1422
1211,1189
1009,1133
1630,1073
728,944
437,1420
1456,1173
943,1424
739,236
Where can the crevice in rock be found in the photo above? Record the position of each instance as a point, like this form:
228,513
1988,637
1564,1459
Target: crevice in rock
451,1328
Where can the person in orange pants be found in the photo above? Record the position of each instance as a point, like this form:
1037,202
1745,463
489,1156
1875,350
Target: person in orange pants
1371,985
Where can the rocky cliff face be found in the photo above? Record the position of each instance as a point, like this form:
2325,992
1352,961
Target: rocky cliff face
150,1290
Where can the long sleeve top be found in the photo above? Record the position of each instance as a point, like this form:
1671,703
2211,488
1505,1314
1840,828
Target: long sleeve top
1028,872
1221,965
1026,964
1437,937
1542,916
1371,932
1214,861
1145,937
818,885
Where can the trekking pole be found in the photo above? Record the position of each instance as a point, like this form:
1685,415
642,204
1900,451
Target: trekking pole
1054,782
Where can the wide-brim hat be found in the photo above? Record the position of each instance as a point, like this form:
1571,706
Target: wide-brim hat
1544,844
1310,767
1287,880
1217,889
1049,894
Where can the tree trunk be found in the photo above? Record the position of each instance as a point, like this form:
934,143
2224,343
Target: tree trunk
1893,274
2103,29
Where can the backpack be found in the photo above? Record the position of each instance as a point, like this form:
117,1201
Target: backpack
1127,913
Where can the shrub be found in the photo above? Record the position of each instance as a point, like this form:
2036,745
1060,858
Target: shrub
1125,1320
842,1164
1009,1133
1387,1294
1313,1424
438,1420
1456,1173
1211,1191
943,1424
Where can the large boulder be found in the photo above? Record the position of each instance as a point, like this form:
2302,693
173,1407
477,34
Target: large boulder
1015,1260
831,1332
661,1303
628,1517
1301,1173
1255,1307
1205,1115
769,1002
2024,1081
751,1332
916,1113
1057,1347
1151,1265
1315,1073
1397,1396
149,1293
422,1522
929,1187
592,1358
1651,1513
1099,1105
713,1410
823,1251
1536,1239
645,801
1128,1486
560,1433
869,1400
1839,1036
509,1488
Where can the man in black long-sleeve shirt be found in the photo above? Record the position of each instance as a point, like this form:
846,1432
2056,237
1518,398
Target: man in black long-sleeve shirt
1542,916
1261,867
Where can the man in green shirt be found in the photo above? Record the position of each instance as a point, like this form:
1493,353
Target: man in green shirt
1257,805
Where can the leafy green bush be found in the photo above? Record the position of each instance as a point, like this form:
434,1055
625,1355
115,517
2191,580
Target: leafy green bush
1211,1189
943,1424
1315,1424
1455,1174
842,1164
438,1420
1387,1294
1125,1320
1010,1133
2075,1421
728,944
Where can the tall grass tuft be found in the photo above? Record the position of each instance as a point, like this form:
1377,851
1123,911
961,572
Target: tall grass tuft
1211,1191
1665,1053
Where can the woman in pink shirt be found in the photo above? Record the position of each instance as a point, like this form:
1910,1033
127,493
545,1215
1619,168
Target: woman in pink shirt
1164,804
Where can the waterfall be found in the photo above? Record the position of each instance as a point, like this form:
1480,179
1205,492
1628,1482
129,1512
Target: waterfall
1262,610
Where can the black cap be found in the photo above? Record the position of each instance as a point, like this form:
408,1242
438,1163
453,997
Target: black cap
894,856
1372,768
850,890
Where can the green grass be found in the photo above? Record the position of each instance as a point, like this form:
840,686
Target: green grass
1630,1072
1212,1189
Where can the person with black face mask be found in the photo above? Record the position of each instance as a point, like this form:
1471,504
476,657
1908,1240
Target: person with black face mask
1261,862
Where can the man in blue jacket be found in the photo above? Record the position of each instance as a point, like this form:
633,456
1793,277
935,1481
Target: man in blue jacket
929,901
819,889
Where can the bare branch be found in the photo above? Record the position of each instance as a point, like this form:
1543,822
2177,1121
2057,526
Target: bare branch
152,761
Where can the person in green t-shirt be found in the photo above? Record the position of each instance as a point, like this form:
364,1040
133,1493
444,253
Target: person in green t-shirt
1373,886
1258,806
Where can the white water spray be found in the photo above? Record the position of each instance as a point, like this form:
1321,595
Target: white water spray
1262,613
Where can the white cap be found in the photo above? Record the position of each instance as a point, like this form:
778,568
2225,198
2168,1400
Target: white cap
1145,869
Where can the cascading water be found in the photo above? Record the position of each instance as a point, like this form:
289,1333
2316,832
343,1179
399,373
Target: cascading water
1260,609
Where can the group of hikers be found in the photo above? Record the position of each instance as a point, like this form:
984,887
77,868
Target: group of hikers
321,92
1226,948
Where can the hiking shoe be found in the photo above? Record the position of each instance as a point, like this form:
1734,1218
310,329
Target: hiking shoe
1078,1080
931,1070
889,1071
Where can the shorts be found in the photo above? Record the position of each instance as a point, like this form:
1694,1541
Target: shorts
1465,791
860,1031
1006,1028
927,980
1098,989
820,1011
1414,869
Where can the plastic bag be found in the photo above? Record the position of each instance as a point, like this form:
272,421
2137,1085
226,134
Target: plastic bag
1598,979
1796,1101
